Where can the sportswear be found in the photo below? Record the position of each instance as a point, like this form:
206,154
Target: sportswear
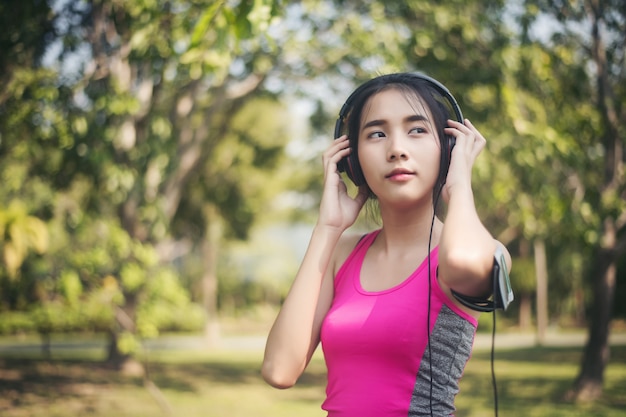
376,344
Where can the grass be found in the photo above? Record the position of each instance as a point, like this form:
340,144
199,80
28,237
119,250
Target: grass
532,382
216,383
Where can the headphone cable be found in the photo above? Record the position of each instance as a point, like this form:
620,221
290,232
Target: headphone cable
430,355
493,330
493,354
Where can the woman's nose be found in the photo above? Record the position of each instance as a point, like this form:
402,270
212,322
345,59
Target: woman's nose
395,148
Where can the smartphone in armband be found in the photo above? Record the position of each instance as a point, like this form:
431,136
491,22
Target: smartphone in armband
502,291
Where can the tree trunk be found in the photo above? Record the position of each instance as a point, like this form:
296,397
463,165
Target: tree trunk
118,359
541,272
525,311
589,383
209,278
114,355
46,350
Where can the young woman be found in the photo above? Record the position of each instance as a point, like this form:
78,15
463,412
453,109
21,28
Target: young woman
395,338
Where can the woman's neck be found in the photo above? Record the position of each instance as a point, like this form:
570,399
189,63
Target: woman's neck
408,229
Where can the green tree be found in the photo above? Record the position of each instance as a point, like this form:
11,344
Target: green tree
585,48
115,142
158,102
31,128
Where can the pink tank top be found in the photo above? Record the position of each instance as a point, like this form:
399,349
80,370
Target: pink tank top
376,344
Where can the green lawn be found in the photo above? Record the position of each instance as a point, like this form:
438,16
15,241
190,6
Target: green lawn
531,382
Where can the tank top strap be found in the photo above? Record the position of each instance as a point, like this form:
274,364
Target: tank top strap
353,262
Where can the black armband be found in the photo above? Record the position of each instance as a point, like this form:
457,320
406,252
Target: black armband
502,291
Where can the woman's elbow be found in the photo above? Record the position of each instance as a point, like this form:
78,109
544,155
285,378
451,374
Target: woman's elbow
276,378
467,271
477,261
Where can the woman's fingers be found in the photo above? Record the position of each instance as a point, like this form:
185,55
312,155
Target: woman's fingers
467,136
336,151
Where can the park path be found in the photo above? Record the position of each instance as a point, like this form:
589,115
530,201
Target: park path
257,343
482,341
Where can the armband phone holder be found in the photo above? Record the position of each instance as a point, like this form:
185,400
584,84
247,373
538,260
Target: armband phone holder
502,291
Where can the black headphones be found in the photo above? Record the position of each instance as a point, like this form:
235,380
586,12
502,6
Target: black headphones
442,96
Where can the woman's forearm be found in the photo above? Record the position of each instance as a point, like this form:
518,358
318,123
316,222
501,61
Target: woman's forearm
295,333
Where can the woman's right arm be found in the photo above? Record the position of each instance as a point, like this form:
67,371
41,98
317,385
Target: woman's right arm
295,333
296,330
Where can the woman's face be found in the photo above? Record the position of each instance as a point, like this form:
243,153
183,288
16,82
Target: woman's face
399,149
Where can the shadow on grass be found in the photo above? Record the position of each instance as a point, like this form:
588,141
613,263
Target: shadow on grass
33,382
189,376
527,379
537,379
539,396
547,354
534,354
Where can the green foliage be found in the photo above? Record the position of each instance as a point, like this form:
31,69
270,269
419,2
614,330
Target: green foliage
70,287
523,280
241,178
16,322
225,31
127,343
21,234
132,277
162,316
55,317
167,307
113,170
71,312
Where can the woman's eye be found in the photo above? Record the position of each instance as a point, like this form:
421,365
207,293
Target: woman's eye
417,130
376,135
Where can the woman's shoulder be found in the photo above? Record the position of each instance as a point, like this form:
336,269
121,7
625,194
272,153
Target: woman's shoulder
346,244
348,241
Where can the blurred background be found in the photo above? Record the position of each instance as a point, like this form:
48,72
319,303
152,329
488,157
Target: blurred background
160,172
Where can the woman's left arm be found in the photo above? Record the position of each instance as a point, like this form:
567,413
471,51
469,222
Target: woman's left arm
467,248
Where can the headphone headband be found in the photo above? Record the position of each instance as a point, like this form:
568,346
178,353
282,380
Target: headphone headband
442,89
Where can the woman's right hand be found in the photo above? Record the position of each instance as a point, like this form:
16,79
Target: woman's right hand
337,209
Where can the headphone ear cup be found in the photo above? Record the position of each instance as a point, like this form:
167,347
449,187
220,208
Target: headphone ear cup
354,169
451,143
350,164
446,156
343,165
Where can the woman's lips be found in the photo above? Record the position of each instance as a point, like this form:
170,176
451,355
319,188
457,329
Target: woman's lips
400,175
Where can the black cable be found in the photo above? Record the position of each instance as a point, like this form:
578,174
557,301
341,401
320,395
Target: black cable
430,353
493,354
493,331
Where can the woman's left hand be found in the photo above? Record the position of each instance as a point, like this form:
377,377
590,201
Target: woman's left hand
469,143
